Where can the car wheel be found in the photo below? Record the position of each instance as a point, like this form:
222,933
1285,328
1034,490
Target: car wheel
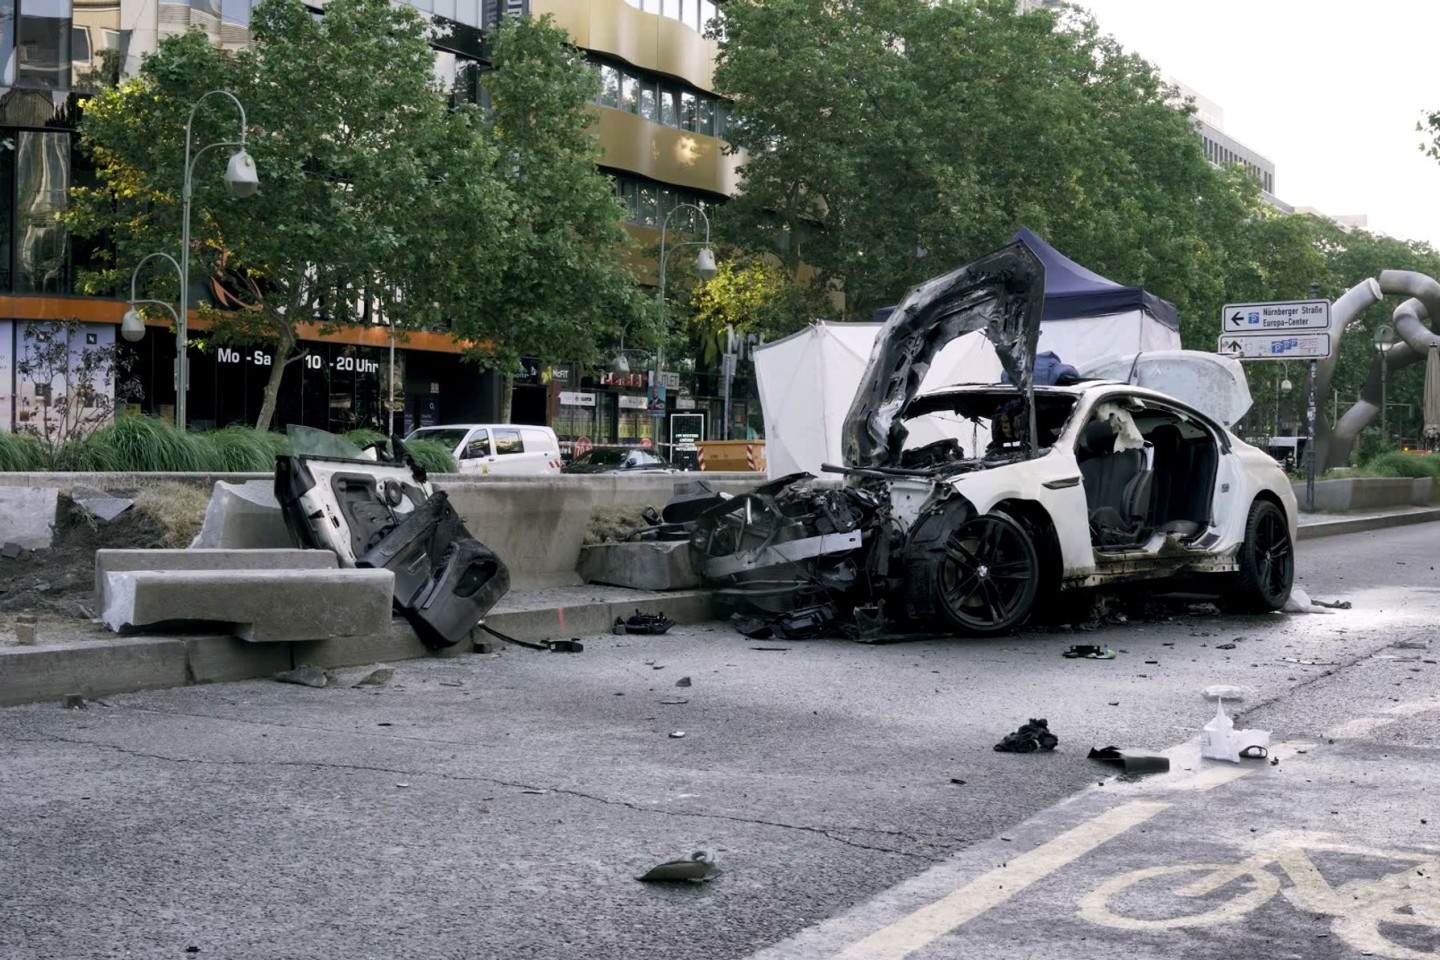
1267,562
988,575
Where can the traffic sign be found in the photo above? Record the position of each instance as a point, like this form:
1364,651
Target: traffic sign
1275,346
1275,317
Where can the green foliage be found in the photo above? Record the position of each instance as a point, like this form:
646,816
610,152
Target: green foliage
22,452
1396,464
413,205
136,445
433,456
241,450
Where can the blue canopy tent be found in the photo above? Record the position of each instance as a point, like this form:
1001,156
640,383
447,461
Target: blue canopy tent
1087,316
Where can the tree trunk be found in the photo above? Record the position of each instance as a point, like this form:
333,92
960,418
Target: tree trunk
283,348
507,397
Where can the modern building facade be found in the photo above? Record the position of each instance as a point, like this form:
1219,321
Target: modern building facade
661,126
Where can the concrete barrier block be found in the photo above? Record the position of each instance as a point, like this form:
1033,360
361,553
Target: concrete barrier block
256,605
55,671
290,558
27,516
396,642
245,516
643,566
228,659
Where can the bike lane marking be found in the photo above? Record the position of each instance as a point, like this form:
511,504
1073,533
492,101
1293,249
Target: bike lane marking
931,922
1362,727
973,898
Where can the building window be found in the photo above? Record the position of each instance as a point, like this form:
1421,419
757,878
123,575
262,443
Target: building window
42,185
649,203
660,100
43,44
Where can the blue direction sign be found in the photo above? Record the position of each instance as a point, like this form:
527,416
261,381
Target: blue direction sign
1275,346
1284,316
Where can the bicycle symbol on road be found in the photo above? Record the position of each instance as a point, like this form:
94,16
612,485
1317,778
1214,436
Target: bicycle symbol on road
1367,913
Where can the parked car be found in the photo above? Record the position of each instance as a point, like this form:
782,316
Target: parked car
1082,484
498,449
619,460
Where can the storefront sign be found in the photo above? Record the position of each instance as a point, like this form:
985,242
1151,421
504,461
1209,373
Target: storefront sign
684,403
632,403
569,399
670,379
687,430
613,379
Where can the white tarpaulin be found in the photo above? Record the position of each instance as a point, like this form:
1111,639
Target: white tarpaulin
807,380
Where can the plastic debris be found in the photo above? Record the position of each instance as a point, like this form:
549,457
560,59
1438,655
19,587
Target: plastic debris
1219,740
699,867
1224,691
1136,763
1033,736
1089,652
677,734
683,682
643,623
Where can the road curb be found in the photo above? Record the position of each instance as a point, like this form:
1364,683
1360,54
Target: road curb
1331,528
113,664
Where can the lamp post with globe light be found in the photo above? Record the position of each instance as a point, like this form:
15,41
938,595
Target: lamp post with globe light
132,326
242,180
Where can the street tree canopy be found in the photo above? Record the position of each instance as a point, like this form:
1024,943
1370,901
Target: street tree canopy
383,196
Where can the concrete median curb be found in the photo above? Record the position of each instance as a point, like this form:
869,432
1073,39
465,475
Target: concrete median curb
1339,525
99,664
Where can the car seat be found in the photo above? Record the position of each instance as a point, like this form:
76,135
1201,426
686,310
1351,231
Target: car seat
1117,486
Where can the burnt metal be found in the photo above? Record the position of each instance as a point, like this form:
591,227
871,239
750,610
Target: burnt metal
1002,294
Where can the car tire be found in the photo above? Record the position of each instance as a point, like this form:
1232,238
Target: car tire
1266,560
987,575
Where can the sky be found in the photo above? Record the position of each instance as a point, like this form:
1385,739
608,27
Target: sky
1328,90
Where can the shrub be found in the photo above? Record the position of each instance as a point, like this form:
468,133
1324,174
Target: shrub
136,445
21,452
1404,465
239,450
433,456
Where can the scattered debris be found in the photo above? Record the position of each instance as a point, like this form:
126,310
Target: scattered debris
99,504
643,623
1224,691
1136,763
573,645
306,675
1224,646
11,551
1219,740
376,678
1033,736
697,868
772,649
1089,652
1411,644
677,734
957,780
1310,663
674,701
683,682
25,629
76,702
1331,604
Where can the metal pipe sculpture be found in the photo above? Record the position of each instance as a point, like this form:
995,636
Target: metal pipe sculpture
1416,339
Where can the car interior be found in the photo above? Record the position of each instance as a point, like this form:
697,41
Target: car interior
1146,471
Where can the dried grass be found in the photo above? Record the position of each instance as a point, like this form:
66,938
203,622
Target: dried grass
179,508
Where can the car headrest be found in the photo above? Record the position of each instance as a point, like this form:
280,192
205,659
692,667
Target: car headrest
1097,440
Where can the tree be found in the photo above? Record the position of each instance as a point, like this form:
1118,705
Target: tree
380,198
891,141
752,296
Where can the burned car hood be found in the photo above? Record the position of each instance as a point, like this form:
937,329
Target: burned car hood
1002,294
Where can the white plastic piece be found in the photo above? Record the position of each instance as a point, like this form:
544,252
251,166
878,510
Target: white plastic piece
1224,691
1217,738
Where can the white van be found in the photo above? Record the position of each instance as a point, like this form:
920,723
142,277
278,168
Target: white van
498,449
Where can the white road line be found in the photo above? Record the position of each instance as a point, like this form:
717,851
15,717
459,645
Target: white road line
994,888
1218,774
1359,727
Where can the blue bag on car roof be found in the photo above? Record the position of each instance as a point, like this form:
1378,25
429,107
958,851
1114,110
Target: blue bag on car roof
1050,370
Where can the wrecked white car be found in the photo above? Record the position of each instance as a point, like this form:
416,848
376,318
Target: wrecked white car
1036,490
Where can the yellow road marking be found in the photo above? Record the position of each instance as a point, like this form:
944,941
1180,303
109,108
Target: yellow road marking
931,922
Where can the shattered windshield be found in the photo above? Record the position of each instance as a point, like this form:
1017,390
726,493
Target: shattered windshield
979,425
310,442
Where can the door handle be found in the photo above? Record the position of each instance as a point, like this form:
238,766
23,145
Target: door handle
1062,484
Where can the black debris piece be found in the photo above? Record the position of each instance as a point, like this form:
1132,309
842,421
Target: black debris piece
1033,736
643,623
683,682
1136,763
696,868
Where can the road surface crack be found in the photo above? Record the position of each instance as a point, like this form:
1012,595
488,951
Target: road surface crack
829,833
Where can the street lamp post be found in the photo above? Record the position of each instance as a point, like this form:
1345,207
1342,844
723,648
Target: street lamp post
243,181
1384,340
132,326
1283,386
705,268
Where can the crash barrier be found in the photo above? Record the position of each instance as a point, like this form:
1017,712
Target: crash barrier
125,561
732,455
1371,493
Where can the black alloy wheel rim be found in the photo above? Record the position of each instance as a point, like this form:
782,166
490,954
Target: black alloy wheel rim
1272,555
988,573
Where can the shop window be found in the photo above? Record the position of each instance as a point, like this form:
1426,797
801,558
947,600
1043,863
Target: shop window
507,442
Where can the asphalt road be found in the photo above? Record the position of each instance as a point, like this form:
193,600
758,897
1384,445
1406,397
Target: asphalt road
501,806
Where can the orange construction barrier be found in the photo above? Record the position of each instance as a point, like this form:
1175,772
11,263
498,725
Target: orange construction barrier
731,455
